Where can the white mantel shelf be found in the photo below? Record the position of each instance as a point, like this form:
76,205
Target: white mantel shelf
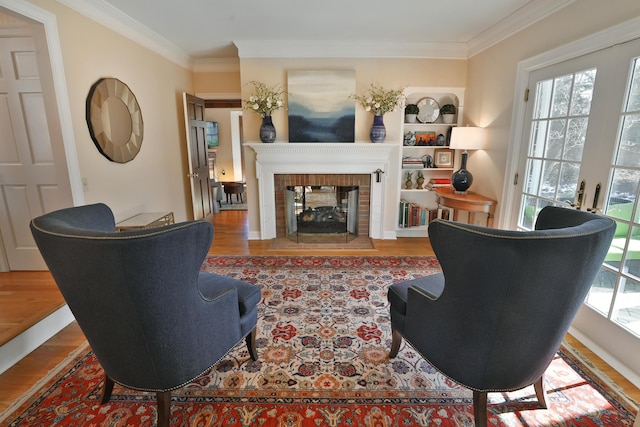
274,151
321,158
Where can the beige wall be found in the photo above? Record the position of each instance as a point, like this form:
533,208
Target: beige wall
218,82
491,83
389,73
155,179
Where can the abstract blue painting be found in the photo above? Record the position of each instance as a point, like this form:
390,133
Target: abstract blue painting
320,106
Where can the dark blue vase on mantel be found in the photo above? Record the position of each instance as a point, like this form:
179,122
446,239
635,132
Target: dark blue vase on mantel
378,131
267,130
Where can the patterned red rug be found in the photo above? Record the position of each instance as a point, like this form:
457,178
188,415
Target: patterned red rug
324,335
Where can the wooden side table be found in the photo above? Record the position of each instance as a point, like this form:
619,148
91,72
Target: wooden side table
469,201
146,220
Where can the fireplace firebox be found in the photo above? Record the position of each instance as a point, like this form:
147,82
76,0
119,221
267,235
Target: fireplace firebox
321,213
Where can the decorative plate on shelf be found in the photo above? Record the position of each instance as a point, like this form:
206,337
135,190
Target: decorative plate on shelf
429,110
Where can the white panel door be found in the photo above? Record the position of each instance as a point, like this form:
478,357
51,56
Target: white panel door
29,183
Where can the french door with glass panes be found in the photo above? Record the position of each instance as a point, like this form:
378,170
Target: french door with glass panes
583,152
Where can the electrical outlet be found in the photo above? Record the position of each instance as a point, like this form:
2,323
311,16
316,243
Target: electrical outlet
85,185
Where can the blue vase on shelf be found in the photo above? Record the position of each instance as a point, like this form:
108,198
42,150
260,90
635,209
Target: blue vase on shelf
378,131
267,130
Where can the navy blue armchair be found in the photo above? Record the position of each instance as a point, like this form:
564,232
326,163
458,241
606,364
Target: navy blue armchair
153,319
497,314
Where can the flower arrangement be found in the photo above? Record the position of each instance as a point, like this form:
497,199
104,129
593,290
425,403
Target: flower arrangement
380,101
265,99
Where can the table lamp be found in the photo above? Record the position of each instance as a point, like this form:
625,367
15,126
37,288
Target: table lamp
465,138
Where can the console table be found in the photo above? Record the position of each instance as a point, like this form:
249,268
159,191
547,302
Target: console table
146,220
469,201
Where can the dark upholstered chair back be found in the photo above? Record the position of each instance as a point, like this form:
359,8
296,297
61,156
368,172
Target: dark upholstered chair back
509,297
495,317
135,295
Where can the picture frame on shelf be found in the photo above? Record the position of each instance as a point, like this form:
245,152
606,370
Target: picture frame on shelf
425,138
443,158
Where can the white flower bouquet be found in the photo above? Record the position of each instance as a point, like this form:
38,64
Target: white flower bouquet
380,101
265,99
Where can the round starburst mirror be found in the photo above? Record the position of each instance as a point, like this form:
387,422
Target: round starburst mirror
115,120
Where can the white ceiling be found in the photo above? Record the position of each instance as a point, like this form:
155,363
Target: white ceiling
214,28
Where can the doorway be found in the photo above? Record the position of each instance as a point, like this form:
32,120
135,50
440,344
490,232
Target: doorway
581,149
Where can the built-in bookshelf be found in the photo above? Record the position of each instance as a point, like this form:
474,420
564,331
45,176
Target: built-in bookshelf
424,147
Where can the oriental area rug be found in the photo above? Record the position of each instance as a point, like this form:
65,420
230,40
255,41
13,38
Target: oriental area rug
323,341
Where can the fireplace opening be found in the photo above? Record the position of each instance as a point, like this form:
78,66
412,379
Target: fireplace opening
321,213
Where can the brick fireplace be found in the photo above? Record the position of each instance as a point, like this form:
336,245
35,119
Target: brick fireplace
359,163
362,181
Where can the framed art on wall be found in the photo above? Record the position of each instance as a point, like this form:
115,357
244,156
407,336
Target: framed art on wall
320,107
211,132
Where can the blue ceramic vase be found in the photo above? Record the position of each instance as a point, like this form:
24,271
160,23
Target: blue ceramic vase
462,178
378,131
267,130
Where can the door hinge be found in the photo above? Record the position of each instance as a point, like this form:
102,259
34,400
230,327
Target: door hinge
526,95
515,179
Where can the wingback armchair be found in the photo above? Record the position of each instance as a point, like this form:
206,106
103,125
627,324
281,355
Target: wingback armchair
497,314
153,319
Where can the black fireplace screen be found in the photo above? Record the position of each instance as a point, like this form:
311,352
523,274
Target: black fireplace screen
321,213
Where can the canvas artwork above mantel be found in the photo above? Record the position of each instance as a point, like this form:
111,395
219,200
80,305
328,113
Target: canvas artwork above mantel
320,106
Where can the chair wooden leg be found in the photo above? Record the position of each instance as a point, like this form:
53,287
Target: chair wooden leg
396,340
541,392
480,408
164,408
251,344
106,390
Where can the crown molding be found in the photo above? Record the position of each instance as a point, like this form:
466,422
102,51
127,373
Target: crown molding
216,65
218,96
524,17
345,49
112,18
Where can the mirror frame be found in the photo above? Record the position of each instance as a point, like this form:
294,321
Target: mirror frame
101,92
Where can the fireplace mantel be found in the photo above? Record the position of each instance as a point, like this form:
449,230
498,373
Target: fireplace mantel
321,158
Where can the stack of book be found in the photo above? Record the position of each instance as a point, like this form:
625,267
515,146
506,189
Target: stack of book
414,215
412,163
437,182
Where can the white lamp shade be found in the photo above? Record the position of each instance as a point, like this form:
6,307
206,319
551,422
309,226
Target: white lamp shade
467,138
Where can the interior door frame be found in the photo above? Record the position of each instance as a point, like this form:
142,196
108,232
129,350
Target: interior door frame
620,33
236,145
608,38
46,38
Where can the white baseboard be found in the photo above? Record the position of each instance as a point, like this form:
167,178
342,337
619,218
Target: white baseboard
254,235
13,351
626,372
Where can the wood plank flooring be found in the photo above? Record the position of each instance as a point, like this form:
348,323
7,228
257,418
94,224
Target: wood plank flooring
25,297
33,290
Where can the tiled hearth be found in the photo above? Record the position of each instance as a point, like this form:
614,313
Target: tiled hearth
335,160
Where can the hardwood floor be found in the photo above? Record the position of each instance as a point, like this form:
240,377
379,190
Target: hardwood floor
33,289
26,297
